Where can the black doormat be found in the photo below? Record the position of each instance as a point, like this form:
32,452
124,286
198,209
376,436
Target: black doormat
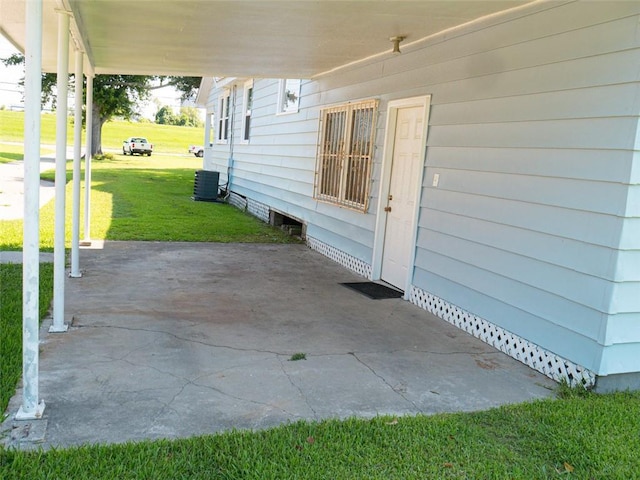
374,290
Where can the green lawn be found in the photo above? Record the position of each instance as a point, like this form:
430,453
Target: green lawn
579,435
11,152
11,323
165,138
12,127
582,436
146,198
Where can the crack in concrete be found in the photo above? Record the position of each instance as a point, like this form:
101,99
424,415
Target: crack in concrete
384,380
297,387
167,405
255,402
194,382
407,350
240,349
178,337
279,356
187,381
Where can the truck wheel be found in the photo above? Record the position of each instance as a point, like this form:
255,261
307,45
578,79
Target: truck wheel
124,152
149,153
200,154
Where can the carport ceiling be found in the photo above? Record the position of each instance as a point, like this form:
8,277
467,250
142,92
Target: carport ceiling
297,39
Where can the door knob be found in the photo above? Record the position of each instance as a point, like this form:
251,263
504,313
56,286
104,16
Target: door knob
387,209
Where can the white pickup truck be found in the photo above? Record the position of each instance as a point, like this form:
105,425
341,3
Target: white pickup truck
136,145
197,150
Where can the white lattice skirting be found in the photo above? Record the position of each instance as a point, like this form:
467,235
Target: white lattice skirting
258,209
528,353
517,347
238,201
344,259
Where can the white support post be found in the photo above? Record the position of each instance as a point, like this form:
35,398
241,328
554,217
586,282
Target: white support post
77,153
61,174
32,407
207,140
87,162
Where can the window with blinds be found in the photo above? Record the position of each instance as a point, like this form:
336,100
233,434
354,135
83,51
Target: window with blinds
345,151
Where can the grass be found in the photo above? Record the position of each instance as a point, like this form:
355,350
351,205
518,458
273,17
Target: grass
145,198
12,127
6,157
11,323
165,138
582,437
13,152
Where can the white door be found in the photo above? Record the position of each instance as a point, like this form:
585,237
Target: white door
406,167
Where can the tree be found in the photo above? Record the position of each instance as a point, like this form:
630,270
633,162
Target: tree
114,95
165,116
190,117
187,85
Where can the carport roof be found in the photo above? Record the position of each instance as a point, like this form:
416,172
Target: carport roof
264,38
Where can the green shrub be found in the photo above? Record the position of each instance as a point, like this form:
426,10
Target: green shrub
103,156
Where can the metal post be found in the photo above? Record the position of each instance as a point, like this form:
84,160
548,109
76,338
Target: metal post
87,162
61,174
31,407
77,152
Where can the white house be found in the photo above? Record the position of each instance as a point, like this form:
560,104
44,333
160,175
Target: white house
490,171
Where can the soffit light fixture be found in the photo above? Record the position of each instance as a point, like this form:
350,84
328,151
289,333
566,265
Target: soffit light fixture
396,43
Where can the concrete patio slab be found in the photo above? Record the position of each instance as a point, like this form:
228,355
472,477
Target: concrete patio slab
16,257
12,188
170,340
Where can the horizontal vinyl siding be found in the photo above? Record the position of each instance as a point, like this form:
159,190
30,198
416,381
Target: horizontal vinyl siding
277,167
454,283
588,102
620,358
278,161
529,273
623,328
550,249
579,164
586,195
534,144
535,224
533,192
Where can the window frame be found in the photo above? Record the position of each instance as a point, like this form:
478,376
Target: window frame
247,106
282,108
344,148
224,117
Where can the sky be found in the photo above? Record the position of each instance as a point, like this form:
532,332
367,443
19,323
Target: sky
11,92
